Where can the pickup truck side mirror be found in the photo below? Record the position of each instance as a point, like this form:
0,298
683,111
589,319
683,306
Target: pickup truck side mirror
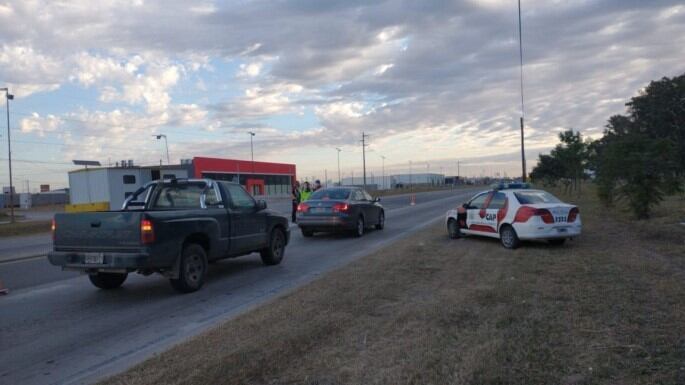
261,205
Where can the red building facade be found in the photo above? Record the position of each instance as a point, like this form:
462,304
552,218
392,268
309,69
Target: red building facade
259,178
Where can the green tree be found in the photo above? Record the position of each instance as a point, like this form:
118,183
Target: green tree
639,158
565,163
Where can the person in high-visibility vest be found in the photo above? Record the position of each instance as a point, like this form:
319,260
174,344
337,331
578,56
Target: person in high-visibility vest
306,192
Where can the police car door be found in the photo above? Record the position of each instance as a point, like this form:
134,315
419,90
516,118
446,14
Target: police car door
493,212
474,222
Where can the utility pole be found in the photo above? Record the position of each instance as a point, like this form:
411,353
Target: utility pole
410,184
364,136
383,172
9,97
523,151
252,134
339,179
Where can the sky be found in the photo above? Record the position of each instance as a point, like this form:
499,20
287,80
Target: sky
431,82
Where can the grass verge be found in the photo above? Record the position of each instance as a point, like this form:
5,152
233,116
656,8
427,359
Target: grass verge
24,228
606,308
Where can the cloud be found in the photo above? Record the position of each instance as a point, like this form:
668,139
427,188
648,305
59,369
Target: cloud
439,75
40,124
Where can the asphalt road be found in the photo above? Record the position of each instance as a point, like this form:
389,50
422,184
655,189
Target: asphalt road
55,328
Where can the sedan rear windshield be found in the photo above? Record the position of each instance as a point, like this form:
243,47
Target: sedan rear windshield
535,196
331,193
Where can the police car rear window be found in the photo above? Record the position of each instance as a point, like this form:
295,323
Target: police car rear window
534,197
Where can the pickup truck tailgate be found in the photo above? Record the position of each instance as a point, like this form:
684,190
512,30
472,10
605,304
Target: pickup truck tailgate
104,231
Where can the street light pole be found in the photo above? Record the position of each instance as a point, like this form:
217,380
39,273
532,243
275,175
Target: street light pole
9,97
339,180
166,145
252,134
383,172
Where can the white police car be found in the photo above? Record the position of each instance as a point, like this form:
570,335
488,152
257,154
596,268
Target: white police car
514,212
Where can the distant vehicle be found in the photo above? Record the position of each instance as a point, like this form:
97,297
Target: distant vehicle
340,208
514,212
172,227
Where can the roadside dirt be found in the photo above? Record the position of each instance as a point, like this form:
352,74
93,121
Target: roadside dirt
606,308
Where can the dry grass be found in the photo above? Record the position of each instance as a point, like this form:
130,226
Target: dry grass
24,228
604,309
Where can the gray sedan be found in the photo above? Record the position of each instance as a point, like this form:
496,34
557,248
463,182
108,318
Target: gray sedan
340,208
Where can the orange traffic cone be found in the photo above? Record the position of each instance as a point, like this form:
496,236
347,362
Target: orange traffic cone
3,289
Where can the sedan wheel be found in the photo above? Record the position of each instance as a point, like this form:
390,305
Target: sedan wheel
359,230
381,221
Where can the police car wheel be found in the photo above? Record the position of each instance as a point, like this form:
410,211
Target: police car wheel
508,237
453,229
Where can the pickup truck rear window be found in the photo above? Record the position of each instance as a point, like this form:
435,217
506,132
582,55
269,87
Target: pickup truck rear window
178,196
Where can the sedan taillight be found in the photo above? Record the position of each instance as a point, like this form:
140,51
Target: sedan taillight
341,208
53,228
573,214
302,208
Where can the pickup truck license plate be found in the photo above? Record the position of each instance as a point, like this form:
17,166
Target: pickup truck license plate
95,258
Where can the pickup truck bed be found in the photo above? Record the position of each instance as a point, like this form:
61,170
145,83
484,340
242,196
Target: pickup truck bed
165,234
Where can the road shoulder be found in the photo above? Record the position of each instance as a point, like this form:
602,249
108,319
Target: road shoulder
428,309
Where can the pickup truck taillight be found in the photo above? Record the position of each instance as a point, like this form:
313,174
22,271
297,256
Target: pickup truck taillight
525,212
53,228
147,232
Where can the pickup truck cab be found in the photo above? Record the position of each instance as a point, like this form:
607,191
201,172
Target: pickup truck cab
172,227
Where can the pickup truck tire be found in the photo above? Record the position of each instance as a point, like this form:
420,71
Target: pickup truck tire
273,254
107,281
193,269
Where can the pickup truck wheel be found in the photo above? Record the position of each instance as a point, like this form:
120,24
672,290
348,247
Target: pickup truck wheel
193,269
273,254
108,281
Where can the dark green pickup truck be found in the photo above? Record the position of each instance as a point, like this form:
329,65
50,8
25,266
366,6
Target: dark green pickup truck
172,227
